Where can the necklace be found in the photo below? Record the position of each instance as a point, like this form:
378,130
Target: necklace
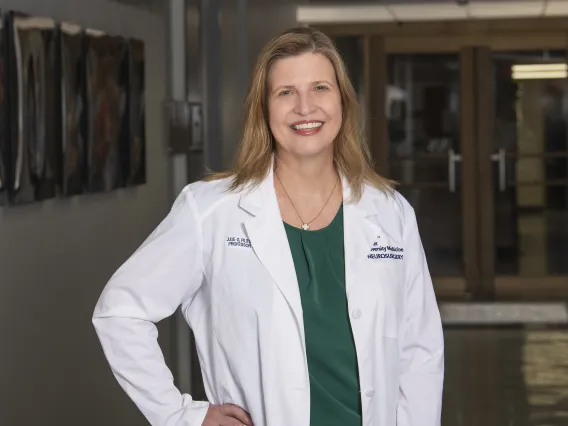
305,225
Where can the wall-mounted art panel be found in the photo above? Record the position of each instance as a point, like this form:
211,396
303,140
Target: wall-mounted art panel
137,105
4,118
107,97
33,60
124,120
73,110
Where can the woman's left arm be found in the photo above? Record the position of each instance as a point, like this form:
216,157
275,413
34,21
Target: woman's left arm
421,359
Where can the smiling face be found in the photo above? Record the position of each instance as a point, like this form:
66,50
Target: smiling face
304,105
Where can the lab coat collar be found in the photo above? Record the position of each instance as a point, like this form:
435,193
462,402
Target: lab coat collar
262,198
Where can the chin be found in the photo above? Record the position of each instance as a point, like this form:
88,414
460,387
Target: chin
312,149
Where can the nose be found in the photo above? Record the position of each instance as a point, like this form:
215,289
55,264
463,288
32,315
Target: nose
304,104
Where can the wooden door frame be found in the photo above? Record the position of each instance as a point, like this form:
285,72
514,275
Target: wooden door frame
484,123
375,83
462,32
470,184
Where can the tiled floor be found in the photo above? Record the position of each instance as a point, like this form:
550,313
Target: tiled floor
506,377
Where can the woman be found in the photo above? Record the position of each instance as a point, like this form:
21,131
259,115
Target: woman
301,272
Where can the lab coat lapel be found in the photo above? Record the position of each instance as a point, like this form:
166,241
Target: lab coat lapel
270,243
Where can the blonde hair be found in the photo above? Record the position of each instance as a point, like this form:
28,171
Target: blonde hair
254,156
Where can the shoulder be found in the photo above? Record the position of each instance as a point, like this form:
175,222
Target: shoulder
208,196
390,202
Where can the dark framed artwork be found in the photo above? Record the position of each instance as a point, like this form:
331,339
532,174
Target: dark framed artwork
5,159
73,110
107,94
123,79
137,105
33,95
52,47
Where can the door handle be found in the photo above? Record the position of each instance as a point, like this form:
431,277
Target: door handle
501,157
453,158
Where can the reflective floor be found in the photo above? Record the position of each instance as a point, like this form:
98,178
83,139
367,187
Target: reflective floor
506,377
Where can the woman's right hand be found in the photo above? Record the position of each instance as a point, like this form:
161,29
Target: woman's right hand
227,415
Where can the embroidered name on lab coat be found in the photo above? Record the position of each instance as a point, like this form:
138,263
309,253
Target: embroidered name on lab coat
238,242
386,252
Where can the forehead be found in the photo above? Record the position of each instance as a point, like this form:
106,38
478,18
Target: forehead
304,68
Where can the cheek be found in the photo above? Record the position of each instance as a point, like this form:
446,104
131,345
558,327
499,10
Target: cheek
276,117
334,108
336,114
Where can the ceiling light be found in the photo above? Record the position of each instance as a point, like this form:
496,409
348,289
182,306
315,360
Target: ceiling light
561,67
540,75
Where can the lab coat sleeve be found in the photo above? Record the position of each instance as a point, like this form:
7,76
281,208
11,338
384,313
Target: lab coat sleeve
163,273
421,367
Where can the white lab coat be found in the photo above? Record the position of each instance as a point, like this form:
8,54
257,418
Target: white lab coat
224,257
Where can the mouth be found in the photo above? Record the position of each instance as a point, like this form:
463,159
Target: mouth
306,128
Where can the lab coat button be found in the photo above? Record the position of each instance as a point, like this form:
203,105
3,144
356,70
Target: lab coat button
357,313
369,393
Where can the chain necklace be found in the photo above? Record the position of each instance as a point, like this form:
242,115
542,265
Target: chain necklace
305,225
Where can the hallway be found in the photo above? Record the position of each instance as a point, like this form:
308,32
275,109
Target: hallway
466,106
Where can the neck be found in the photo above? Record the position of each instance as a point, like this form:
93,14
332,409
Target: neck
306,176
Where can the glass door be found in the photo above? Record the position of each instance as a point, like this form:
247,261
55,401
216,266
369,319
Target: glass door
423,116
524,196
428,122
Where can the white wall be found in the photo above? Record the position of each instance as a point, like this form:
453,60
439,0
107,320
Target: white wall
55,258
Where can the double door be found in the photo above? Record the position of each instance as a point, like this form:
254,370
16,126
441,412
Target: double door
474,129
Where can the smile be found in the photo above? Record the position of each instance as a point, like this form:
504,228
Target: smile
309,125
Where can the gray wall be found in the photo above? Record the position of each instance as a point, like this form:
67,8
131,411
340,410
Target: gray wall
55,258
244,27
250,30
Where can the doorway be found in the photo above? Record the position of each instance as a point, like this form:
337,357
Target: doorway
471,120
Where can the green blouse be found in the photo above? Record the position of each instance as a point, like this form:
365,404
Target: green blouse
332,361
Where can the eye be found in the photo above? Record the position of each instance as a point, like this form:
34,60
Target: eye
321,88
285,92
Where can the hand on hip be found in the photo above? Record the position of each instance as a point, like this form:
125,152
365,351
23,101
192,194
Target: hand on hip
227,415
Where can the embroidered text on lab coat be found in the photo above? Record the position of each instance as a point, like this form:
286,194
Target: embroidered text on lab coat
386,252
238,242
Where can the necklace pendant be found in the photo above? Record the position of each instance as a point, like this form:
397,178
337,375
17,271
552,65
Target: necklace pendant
305,226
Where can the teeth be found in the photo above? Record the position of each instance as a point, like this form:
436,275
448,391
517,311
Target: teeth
304,126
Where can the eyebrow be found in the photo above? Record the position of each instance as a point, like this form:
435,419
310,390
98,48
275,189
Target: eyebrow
315,83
